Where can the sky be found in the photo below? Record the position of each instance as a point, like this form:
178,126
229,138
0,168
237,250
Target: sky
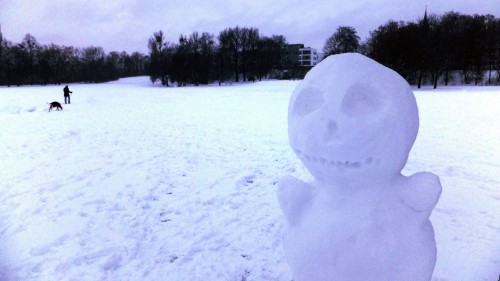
126,25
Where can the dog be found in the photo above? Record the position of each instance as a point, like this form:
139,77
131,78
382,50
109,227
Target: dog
55,105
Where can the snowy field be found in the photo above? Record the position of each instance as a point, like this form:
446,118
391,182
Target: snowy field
133,181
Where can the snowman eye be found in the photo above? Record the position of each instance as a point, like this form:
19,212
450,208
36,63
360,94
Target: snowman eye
361,100
308,100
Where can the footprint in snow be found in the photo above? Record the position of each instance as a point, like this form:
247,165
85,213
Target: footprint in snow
40,251
246,181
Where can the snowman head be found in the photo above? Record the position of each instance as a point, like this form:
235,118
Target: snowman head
351,118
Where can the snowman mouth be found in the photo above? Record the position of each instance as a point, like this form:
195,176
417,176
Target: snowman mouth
369,161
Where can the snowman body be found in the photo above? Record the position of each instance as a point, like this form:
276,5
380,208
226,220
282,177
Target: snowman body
360,219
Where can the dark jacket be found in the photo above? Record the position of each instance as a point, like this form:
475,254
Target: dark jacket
66,91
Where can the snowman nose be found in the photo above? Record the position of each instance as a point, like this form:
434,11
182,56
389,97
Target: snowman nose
331,133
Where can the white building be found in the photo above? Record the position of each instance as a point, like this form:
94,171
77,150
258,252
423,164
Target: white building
308,56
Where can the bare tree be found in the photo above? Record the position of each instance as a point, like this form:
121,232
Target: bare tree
230,44
93,61
344,40
269,54
156,45
31,47
249,45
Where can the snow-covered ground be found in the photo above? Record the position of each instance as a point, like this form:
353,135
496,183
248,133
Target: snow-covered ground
133,181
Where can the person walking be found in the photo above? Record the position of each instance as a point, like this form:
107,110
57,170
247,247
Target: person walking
66,95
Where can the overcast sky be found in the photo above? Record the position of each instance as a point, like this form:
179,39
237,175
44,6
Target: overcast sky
126,25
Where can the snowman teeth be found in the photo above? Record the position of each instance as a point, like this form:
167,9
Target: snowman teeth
337,163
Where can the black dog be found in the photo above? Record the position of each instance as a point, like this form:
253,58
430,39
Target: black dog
55,105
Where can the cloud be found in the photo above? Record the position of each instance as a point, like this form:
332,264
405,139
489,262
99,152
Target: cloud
126,25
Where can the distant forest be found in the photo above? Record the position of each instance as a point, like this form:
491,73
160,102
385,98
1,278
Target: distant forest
437,50
452,48
237,54
29,63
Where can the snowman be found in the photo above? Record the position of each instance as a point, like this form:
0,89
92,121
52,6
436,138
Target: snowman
352,122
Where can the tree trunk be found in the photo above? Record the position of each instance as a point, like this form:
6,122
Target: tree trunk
489,74
436,76
236,67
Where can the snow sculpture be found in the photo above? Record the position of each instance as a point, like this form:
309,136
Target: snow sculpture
352,122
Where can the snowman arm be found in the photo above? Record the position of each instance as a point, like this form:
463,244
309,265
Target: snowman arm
293,196
421,192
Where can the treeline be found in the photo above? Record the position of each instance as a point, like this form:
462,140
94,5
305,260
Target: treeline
437,49
236,54
452,48
31,63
